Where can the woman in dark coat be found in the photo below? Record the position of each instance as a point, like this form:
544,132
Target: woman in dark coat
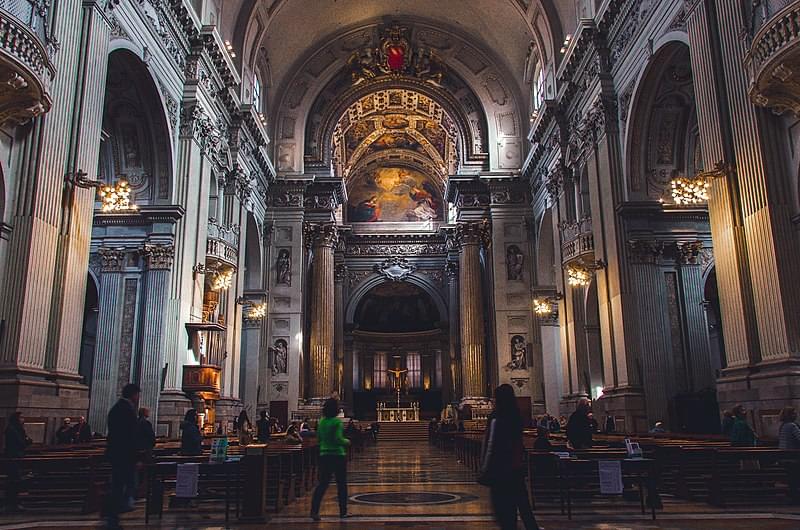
191,439
502,468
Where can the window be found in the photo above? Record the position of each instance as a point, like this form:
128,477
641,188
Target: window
257,93
538,88
414,365
379,370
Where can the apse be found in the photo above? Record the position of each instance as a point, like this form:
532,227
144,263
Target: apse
396,307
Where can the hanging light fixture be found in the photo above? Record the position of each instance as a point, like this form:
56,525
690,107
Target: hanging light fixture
542,307
117,198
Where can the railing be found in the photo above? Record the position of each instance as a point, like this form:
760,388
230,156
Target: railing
223,243
577,239
24,60
775,32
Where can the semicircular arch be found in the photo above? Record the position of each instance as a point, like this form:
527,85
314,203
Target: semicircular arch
418,280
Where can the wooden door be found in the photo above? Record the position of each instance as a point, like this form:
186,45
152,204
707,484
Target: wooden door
524,404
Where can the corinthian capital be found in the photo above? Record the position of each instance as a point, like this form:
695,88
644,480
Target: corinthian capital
321,235
158,257
473,233
113,259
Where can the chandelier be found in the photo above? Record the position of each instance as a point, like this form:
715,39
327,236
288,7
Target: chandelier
222,280
690,190
542,307
117,198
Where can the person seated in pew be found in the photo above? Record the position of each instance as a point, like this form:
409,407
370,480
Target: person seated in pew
305,426
16,442
274,426
742,434
262,428
611,425
191,439
83,432
658,428
579,427
727,423
542,442
555,425
66,433
789,440
292,436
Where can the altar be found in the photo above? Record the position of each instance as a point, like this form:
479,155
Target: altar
398,413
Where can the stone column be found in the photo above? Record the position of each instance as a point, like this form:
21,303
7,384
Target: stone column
469,237
106,358
158,262
251,354
451,378
342,379
322,239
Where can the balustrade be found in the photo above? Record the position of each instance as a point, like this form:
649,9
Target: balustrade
222,244
577,239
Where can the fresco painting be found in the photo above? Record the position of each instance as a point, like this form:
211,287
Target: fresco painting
394,194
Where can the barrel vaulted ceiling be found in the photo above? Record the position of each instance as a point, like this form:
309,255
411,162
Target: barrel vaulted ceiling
289,29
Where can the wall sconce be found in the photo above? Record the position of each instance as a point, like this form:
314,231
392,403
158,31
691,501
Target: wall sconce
222,280
229,49
580,274
117,198
694,190
255,311
543,307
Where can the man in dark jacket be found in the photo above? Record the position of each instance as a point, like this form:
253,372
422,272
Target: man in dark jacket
83,433
122,449
262,428
579,427
16,442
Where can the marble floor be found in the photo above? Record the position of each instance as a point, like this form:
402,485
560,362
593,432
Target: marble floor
418,487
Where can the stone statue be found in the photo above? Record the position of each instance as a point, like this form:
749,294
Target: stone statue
515,262
284,267
519,354
280,354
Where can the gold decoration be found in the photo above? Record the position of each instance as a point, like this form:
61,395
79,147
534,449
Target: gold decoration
117,198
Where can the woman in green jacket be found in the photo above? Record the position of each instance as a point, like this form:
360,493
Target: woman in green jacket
332,458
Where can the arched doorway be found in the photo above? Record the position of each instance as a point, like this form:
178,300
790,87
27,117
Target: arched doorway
397,343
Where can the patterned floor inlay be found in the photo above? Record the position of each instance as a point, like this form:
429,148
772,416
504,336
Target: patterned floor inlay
410,498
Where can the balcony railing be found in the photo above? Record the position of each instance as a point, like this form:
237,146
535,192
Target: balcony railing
222,245
577,239
774,55
24,61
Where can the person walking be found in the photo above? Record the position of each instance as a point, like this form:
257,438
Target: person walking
742,434
16,441
122,447
789,440
579,426
147,436
502,462
191,438
332,458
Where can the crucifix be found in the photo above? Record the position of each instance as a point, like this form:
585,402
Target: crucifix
397,382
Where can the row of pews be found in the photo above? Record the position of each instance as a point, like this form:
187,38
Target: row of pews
687,468
253,483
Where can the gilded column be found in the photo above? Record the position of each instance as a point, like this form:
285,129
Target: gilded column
106,359
322,239
340,367
469,237
452,372
158,261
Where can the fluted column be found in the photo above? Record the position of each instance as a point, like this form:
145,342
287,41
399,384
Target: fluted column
451,372
342,378
106,359
322,238
158,260
469,237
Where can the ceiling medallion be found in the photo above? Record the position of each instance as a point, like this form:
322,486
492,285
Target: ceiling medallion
395,57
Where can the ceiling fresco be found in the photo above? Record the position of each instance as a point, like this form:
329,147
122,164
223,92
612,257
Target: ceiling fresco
394,194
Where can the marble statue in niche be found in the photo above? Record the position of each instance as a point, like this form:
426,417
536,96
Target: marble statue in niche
284,268
519,354
515,262
280,354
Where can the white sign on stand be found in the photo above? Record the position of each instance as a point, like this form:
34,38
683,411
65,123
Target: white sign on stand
610,477
186,480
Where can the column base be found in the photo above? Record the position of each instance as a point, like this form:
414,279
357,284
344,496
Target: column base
626,405
44,399
172,406
763,389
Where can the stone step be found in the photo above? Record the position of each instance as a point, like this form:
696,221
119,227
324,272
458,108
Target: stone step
403,431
